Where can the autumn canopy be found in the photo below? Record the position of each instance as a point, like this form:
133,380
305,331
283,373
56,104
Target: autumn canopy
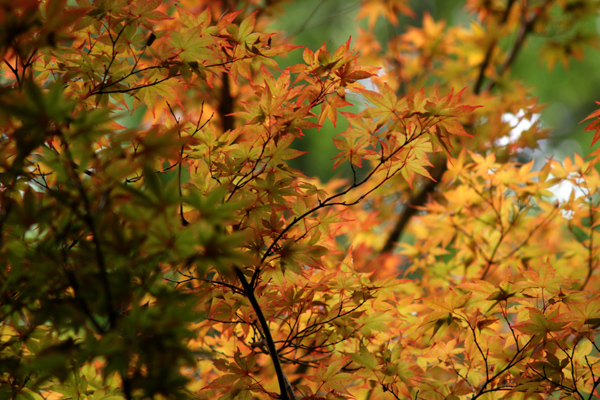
156,241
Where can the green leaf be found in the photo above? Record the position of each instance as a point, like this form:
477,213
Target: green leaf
365,358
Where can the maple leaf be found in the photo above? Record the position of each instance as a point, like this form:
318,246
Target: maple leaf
209,245
387,9
330,377
415,159
428,36
540,323
353,145
329,110
386,105
544,278
365,358
595,127
583,314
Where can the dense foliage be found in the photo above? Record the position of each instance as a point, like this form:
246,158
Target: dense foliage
184,258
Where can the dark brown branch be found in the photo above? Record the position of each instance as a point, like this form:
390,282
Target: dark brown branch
419,199
329,202
517,358
184,222
15,71
226,104
595,380
131,89
484,65
281,378
5,211
74,283
525,29
416,200
490,53
88,219
386,388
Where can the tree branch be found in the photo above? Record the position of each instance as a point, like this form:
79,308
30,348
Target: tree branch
88,219
285,388
226,104
420,198
416,200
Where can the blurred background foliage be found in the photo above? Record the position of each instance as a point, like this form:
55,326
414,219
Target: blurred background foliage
569,93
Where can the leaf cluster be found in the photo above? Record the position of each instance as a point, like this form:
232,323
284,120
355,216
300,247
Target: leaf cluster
184,258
